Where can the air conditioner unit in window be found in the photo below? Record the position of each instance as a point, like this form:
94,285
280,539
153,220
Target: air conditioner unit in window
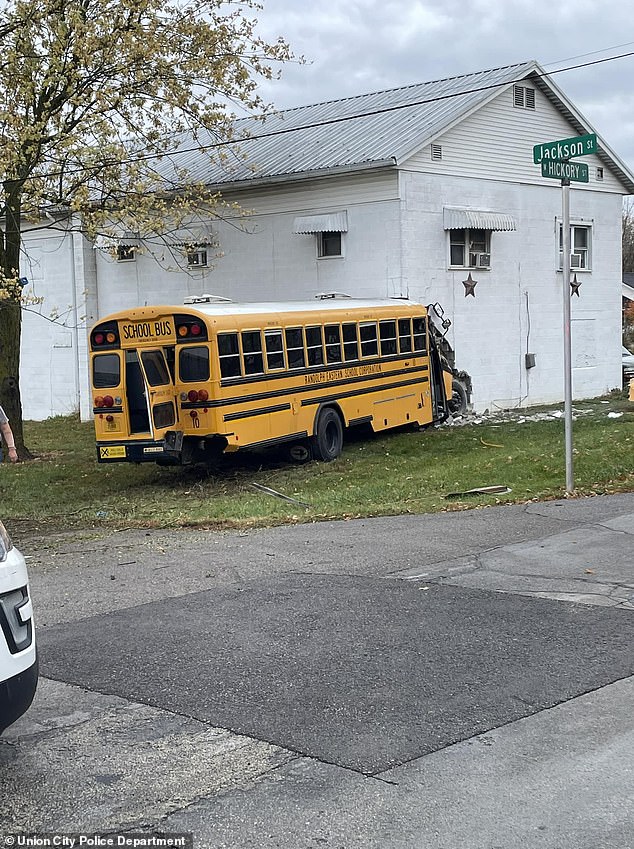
576,260
479,260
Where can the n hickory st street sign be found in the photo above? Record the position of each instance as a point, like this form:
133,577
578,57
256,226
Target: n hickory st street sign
575,171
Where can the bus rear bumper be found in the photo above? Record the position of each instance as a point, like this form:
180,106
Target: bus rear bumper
167,450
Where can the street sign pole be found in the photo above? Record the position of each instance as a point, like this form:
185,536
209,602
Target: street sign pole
555,159
565,204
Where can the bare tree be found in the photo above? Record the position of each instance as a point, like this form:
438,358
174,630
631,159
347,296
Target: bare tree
628,236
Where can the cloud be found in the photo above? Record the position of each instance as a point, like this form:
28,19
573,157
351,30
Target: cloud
368,45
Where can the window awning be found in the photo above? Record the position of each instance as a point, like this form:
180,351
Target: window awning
460,219
331,222
107,242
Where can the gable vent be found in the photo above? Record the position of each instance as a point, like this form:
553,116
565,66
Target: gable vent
523,97
436,152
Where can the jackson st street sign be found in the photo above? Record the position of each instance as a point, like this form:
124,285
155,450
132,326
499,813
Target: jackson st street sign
565,148
577,172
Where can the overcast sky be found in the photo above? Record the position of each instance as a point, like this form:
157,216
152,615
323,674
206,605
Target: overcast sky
359,46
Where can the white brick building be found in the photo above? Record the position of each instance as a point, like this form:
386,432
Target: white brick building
400,193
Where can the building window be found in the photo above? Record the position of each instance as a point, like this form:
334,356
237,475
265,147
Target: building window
329,244
197,258
580,247
470,248
126,253
599,172
523,97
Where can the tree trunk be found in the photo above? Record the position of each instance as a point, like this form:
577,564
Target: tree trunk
11,317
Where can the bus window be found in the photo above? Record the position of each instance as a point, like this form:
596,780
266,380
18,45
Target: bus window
369,344
350,346
274,350
333,343
419,334
387,332
315,346
229,355
164,415
295,347
106,371
193,364
252,352
155,368
405,335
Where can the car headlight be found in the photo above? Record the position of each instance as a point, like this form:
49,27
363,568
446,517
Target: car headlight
5,542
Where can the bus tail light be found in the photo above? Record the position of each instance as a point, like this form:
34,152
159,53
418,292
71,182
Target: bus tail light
195,395
108,401
105,335
190,328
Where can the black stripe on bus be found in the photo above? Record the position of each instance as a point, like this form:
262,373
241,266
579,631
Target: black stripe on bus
266,443
261,411
309,387
324,399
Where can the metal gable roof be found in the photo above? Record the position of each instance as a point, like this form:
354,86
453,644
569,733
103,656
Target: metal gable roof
375,130
370,130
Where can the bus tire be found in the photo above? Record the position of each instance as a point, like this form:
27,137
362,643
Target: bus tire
458,401
328,439
299,452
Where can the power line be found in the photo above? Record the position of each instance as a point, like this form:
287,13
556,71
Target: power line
333,121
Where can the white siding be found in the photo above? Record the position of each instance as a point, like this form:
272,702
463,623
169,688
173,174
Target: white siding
518,303
259,256
497,143
53,370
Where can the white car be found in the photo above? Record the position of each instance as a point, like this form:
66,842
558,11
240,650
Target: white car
628,366
18,655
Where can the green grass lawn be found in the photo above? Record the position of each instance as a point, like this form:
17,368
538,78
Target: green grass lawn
400,472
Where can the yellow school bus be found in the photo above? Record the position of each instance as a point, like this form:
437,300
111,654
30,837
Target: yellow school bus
182,384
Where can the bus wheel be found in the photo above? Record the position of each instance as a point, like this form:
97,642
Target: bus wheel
328,439
458,400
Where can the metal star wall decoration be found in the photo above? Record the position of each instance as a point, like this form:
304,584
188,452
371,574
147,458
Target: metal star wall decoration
574,287
469,286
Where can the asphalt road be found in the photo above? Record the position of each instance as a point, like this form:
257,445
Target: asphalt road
447,681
